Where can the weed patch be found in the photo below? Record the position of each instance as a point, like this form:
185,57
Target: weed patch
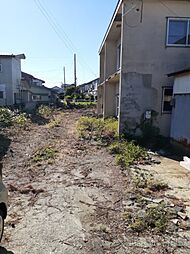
21,119
44,111
97,129
128,153
6,117
44,154
9,118
83,104
156,219
54,122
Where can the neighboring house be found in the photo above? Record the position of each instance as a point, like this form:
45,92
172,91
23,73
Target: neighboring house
33,90
180,124
145,40
10,79
65,86
57,89
89,88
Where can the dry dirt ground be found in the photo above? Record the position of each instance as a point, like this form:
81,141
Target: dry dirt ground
74,204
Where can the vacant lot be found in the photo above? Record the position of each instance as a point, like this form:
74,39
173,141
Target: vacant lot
68,195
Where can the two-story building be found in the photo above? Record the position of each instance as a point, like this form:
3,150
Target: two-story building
10,79
34,91
145,40
89,88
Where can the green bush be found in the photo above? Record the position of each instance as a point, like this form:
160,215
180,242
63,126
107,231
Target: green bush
90,127
128,153
21,119
154,219
96,128
6,117
83,104
44,111
44,154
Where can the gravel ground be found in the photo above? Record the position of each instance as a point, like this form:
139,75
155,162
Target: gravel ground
73,204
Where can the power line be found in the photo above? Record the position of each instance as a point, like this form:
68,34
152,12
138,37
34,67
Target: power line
44,13
59,31
168,8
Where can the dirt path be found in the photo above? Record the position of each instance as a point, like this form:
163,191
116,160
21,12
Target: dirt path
73,205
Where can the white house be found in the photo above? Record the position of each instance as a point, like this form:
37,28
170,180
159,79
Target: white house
10,79
33,90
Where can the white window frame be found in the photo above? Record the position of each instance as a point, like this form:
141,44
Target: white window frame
167,35
38,97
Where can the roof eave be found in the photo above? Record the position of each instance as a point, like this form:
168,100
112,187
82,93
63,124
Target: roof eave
178,73
110,24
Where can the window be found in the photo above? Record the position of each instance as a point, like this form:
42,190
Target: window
178,33
167,99
1,67
1,95
36,97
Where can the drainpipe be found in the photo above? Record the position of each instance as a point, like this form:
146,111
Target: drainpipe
121,69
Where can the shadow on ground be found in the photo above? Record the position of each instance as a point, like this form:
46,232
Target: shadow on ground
5,251
40,120
4,145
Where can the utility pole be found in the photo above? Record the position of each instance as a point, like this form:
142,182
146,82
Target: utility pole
64,75
75,70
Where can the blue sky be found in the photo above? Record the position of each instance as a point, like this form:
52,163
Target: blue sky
49,40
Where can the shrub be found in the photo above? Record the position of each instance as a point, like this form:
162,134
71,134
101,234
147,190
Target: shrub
44,111
90,127
44,154
110,128
83,104
128,153
155,219
97,129
54,123
6,117
21,119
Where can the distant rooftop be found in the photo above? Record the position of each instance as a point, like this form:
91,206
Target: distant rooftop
29,76
20,56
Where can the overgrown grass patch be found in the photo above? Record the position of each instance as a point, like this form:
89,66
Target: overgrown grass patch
155,218
6,117
12,117
97,129
44,154
56,121
83,104
21,119
44,111
128,153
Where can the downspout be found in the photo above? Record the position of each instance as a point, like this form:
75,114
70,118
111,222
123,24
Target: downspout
121,69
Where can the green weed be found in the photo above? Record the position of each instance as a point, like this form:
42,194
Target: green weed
44,154
6,117
21,119
154,219
44,111
128,153
97,129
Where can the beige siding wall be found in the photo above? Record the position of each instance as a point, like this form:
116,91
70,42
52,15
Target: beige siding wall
146,60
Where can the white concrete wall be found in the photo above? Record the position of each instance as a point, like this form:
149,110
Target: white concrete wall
6,79
16,78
